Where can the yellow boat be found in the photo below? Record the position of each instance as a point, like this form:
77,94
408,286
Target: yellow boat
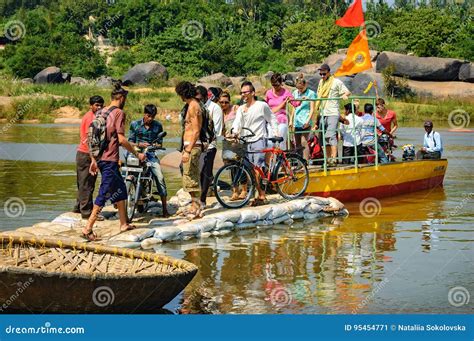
354,184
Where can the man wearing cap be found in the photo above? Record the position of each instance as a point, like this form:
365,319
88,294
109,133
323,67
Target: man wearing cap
432,144
330,87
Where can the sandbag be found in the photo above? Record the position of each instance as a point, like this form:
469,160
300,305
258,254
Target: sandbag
319,200
245,226
190,229
203,225
167,233
313,208
297,215
224,225
229,215
281,219
278,211
150,242
248,216
136,235
297,205
312,216
263,212
288,221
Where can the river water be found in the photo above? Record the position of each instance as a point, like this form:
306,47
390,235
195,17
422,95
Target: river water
414,256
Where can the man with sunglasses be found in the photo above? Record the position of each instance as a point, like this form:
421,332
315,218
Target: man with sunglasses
254,115
330,87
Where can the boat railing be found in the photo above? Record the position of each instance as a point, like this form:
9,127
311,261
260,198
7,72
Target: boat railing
322,130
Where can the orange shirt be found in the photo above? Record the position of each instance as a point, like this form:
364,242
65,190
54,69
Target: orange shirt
85,123
386,121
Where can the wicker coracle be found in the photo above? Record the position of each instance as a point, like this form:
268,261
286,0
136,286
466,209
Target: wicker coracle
54,276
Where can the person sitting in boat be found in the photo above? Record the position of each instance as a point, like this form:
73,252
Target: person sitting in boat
368,135
142,134
432,144
351,131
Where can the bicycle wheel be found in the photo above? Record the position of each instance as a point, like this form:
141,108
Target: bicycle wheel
234,179
291,176
131,196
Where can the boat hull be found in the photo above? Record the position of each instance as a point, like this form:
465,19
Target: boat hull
380,181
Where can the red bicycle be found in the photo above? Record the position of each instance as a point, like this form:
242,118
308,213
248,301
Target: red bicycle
287,171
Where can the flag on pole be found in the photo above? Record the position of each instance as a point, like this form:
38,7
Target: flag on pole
357,57
354,16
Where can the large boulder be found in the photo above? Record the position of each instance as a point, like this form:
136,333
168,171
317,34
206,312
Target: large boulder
143,73
51,74
466,72
442,89
309,68
104,82
362,80
27,81
420,68
217,79
334,61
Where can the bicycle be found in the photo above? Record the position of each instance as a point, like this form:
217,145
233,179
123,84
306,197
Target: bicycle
287,171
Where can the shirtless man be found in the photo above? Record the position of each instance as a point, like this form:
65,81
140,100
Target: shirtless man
191,147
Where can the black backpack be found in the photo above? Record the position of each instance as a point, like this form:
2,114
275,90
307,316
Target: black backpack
97,134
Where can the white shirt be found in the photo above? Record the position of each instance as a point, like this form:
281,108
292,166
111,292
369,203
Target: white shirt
432,142
351,130
217,117
331,107
255,118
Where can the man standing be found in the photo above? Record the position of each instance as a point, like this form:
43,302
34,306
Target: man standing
191,146
350,131
85,180
144,133
369,136
112,186
432,144
330,87
206,161
255,115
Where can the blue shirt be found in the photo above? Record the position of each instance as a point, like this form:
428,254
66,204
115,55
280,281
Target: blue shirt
432,142
302,112
139,133
367,129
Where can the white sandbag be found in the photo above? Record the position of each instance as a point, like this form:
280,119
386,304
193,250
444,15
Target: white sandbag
278,211
318,200
312,216
297,215
167,233
281,219
136,235
150,242
344,212
128,245
248,216
288,221
205,234
189,229
297,205
67,221
263,212
313,208
224,225
245,226
335,204
203,225
229,215
220,233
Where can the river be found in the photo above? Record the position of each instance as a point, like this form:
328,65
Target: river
415,256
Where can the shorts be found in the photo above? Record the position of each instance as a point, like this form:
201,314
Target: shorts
191,173
330,129
112,187
258,159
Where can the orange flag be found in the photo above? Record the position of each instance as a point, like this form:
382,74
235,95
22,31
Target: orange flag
357,58
354,16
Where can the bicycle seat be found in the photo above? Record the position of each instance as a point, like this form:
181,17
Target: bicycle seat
275,139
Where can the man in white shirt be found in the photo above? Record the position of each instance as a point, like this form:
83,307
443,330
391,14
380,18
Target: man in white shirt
432,144
206,161
254,115
330,87
351,135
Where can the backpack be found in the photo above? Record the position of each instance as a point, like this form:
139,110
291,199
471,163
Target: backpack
97,134
315,151
207,133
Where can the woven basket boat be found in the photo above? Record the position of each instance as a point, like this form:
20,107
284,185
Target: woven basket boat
53,276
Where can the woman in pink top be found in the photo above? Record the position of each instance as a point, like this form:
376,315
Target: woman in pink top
276,98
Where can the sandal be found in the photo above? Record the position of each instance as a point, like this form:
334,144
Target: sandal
258,202
235,197
193,214
242,195
128,227
90,236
